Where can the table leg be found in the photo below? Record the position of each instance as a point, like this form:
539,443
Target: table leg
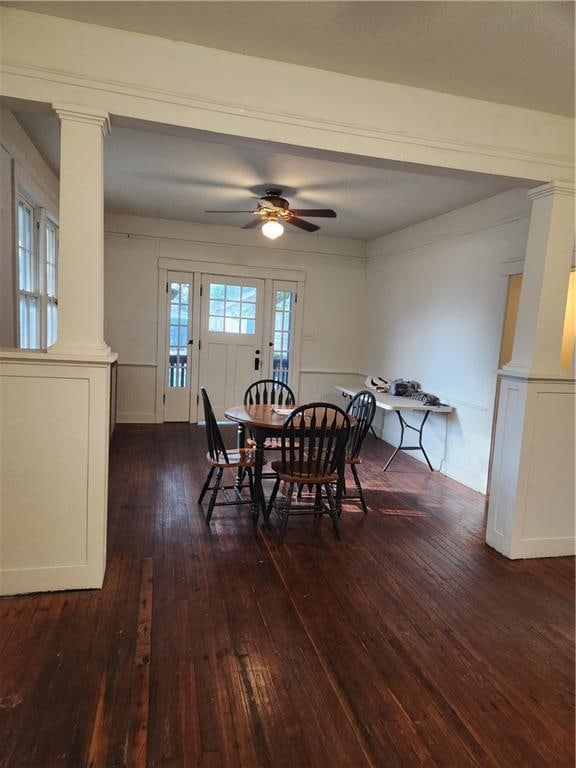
401,447
241,443
258,502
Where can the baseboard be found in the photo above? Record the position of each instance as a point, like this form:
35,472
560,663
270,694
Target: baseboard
135,418
51,579
561,546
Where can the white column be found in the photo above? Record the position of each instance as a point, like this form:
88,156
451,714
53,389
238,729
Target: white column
540,322
531,508
81,254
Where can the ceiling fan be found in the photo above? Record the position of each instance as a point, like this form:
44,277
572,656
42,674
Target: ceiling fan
273,211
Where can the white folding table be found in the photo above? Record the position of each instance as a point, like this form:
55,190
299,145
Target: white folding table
398,405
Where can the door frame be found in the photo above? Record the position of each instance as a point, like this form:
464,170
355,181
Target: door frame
196,269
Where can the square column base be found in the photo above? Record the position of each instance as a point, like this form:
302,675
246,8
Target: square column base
54,432
531,508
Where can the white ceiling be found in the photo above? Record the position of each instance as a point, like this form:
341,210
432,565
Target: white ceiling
177,174
519,53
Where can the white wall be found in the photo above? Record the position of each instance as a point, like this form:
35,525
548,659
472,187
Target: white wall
21,169
333,322
435,304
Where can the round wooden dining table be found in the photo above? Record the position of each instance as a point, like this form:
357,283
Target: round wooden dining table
263,422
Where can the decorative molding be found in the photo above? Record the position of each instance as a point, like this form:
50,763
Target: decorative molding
328,372
224,244
79,114
553,188
529,376
136,365
248,112
54,358
446,235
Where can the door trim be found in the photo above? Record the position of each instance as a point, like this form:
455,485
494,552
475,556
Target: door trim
196,269
230,270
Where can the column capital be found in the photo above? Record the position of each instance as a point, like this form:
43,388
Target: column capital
552,188
80,114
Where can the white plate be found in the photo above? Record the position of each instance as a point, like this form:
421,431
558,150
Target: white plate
283,411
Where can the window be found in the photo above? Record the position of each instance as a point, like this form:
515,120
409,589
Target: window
28,279
179,312
51,283
37,277
283,304
232,309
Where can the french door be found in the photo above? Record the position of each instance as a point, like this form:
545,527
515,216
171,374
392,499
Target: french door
178,367
222,332
232,355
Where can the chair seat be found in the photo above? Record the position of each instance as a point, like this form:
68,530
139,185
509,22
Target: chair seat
271,444
297,473
243,457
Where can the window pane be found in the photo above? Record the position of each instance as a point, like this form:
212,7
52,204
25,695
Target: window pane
228,305
248,293
216,324
233,293
232,309
282,322
52,323
216,307
33,324
178,334
231,325
217,291
248,310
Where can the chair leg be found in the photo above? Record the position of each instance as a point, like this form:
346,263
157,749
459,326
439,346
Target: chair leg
333,510
299,494
286,511
214,494
272,498
206,485
359,487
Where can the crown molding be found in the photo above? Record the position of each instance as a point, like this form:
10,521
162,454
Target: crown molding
564,188
79,114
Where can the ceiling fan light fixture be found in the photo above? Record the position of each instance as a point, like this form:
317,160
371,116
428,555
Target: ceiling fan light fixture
272,229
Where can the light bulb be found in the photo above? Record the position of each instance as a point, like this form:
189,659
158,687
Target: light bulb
272,229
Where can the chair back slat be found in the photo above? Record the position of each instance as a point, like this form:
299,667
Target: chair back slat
269,392
216,448
362,407
313,440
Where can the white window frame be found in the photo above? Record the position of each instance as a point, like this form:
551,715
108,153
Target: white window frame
41,222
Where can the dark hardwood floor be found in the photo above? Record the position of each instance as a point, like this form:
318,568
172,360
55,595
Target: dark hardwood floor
409,643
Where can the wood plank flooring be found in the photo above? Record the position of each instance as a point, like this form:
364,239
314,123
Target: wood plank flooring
409,643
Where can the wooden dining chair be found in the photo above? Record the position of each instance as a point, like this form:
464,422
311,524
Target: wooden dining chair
362,409
313,452
267,392
219,459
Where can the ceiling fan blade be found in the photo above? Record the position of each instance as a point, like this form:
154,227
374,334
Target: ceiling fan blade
301,224
228,211
326,213
256,221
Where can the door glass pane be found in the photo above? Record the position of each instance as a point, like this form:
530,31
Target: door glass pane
232,308
178,334
283,303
